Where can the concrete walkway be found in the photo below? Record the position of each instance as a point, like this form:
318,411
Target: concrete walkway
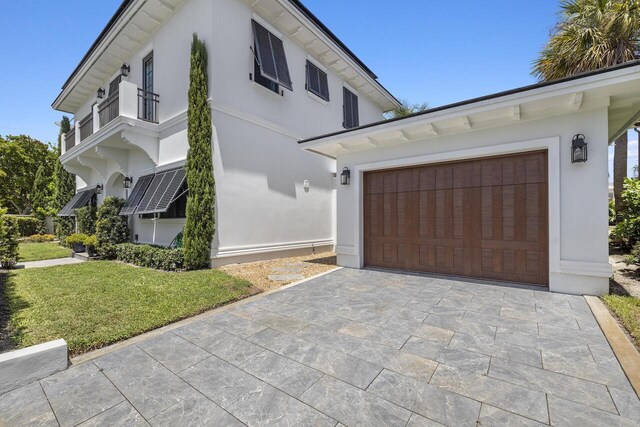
48,263
354,348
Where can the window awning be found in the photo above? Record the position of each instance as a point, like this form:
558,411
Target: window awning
81,199
271,57
162,191
136,195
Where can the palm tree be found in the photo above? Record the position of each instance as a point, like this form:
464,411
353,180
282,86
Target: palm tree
406,109
594,34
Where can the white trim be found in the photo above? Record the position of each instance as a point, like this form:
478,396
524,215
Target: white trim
551,144
582,268
231,251
266,91
258,121
351,89
260,20
317,98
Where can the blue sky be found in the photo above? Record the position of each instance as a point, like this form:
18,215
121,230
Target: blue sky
438,52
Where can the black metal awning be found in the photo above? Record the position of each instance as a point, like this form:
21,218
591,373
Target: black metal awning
137,194
162,191
80,200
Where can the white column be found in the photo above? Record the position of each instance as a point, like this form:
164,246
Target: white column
128,99
96,118
77,134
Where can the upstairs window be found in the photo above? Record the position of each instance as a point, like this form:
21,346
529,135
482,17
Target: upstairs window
317,81
350,108
270,57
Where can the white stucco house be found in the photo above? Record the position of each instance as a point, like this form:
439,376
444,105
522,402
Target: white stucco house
493,188
276,75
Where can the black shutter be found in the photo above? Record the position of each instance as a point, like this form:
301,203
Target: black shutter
272,59
80,200
351,112
136,195
355,113
317,81
162,191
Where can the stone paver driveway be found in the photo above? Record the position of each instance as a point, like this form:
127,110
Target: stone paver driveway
355,348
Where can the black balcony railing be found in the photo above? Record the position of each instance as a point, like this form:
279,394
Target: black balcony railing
148,106
109,109
70,139
86,126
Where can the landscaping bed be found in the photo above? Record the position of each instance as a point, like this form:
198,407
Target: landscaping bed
94,304
624,299
258,272
41,251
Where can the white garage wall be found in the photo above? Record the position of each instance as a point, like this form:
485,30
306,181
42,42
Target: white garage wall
580,263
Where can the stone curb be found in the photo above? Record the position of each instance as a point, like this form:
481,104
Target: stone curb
623,348
86,357
27,365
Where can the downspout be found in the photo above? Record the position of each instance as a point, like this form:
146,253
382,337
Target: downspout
636,126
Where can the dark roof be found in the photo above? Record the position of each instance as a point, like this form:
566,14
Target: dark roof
480,99
296,3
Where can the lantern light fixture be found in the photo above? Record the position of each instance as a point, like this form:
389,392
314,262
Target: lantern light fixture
345,176
100,93
125,69
126,183
99,189
578,149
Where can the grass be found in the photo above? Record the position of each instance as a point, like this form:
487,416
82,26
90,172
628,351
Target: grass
94,304
41,251
627,310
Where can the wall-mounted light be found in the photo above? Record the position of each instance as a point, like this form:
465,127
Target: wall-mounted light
578,149
345,177
100,93
99,189
124,70
126,183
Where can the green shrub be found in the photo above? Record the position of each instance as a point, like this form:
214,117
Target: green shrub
27,225
111,227
76,239
86,218
627,230
90,241
39,238
612,212
8,240
157,257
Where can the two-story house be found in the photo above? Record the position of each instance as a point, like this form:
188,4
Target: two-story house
276,75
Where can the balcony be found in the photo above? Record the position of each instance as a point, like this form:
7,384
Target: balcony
102,141
128,102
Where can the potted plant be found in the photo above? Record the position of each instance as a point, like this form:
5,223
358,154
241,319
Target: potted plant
90,245
76,242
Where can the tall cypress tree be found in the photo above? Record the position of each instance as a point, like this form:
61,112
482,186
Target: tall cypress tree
40,198
65,187
200,223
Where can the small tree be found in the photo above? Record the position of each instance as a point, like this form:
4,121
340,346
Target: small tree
65,186
200,224
8,240
86,218
40,198
111,227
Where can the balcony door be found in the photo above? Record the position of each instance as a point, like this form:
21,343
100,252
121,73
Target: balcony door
147,87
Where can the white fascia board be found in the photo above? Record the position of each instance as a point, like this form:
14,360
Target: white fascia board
520,98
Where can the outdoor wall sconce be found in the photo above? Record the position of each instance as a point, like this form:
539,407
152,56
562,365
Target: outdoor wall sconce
100,93
578,149
128,180
124,70
345,177
99,189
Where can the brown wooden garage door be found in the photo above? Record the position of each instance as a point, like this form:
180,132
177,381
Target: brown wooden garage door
484,218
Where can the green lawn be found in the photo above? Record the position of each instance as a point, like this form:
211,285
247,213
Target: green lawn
97,303
627,309
41,251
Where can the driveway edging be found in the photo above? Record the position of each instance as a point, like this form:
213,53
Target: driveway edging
623,348
94,354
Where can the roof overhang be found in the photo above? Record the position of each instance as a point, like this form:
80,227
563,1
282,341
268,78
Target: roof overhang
127,31
616,88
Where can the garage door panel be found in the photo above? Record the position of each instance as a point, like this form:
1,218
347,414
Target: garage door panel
482,218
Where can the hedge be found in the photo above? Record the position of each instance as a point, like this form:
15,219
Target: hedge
27,225
39,238
8,240
157,257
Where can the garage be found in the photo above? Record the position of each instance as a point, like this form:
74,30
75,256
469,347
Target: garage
511,187
483,218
